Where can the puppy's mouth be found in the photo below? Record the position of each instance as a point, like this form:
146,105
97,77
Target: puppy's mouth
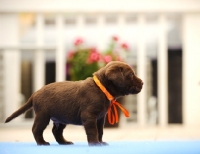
135,90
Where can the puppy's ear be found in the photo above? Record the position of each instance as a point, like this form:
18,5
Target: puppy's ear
115,75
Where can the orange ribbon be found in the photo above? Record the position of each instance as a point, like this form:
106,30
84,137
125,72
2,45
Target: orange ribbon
112,115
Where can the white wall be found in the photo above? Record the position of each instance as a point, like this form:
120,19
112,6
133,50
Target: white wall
189,9
101,5
9,37
191,69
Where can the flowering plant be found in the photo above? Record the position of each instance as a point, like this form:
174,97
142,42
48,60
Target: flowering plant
83,61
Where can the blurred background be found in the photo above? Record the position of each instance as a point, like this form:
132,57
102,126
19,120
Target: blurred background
46,41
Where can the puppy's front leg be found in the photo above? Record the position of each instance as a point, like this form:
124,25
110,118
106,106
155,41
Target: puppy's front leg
90,125
100,126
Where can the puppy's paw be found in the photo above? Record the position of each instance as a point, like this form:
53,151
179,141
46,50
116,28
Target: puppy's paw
104,143
69,143
43,143
94,144
66,143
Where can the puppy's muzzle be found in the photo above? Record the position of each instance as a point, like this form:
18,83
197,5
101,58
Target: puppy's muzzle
137,87
140,84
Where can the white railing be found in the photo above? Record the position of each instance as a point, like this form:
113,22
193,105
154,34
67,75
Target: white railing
39,58
189,10
1,87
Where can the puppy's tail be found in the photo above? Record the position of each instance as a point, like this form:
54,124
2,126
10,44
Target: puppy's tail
21,110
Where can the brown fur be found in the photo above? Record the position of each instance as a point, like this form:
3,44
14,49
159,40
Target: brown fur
79,103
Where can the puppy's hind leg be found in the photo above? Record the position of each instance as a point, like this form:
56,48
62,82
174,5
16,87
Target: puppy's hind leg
39,126
58,133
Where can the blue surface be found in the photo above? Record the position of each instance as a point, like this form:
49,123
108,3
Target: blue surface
121,147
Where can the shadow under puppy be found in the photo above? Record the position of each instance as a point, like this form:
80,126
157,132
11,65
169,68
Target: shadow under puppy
79,103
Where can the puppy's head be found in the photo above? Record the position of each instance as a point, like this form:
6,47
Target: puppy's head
123,78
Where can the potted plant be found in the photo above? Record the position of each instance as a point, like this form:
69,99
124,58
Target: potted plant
83,61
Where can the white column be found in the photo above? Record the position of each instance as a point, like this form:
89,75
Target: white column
141,71
121,26
162,72
100,25
191,69
39,55
60,51
9,36
80,25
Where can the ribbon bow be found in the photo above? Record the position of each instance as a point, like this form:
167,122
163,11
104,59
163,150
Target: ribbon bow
112,115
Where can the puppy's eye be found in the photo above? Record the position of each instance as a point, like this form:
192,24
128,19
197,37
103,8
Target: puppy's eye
131,75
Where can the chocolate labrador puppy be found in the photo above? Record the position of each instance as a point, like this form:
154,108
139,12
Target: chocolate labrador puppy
79,103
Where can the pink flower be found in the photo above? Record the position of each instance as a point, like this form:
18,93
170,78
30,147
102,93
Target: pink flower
70,54
124,46
94,56
94,50
107,58
78,41
115,38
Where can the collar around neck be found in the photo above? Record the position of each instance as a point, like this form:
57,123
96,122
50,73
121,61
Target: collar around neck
112,115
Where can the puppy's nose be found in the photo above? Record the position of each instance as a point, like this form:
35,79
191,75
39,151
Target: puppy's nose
141,82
